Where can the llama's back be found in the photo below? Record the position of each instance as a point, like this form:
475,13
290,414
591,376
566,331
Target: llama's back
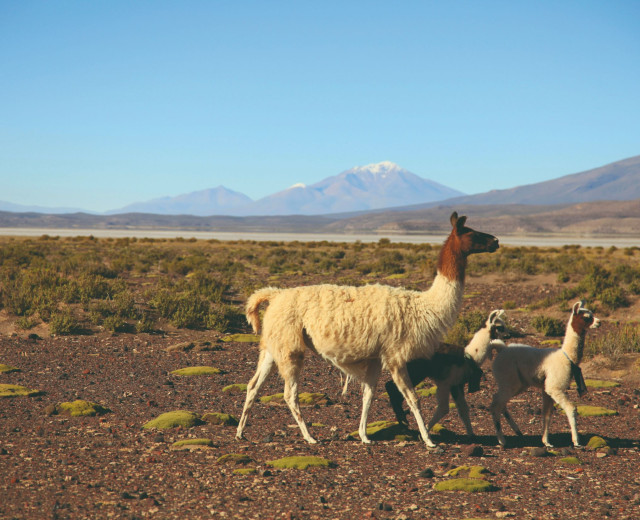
519,364
348,324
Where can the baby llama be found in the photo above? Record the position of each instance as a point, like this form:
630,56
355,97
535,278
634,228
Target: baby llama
361,330
517,367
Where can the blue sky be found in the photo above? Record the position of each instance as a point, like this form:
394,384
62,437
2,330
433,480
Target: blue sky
105,103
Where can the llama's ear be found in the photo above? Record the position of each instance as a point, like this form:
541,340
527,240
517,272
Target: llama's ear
453,219
576,307
494,315
457,222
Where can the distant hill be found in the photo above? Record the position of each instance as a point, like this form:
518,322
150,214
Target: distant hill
362,188
215,201
616,181
611,218
22,208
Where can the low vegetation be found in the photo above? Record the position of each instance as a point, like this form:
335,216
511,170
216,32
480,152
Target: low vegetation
84,285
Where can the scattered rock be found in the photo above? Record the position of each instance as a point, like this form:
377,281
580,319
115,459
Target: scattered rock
426,473
538,452
234,458
473,451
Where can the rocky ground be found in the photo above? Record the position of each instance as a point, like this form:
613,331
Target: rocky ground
107,466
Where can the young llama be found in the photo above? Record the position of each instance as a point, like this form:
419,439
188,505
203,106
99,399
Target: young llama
451,367
517,367
361,330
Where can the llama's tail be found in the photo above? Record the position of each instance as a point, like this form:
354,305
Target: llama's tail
497,345
253,303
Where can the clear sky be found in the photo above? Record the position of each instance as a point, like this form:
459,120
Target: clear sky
104,103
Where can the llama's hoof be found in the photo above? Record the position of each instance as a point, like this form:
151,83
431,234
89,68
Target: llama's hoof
548,445
366,441
311,440
578,446
519,433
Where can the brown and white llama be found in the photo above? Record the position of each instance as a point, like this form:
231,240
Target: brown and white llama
360,330
517,367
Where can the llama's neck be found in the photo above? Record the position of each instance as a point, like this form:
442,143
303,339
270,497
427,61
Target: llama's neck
445,299
452,262
478,347
573,345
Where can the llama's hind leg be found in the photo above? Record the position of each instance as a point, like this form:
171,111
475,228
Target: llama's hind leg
457,392
290,371
370,380
265,365
403,382
442,398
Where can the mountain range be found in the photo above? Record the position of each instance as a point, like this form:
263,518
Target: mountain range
378,199
362,188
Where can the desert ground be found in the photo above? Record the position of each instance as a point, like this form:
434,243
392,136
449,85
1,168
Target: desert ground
107,465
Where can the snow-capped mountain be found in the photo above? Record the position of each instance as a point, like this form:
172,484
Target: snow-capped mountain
374,186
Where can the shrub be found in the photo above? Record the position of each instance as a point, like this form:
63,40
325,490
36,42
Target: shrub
548,326
63,322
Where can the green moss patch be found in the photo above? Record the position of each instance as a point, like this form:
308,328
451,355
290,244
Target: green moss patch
441,430
594,411
473,472
197,371
387,431
242,338
7,390
423,391
224,419
5,369
192,442
81,408
301,462
470,485
235,458
596,443
236,388
305,399
173,420
599,383
571,460
245,471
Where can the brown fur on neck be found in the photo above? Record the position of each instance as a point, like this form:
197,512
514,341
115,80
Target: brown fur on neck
452,262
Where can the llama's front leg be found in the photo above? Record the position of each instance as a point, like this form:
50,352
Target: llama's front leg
497,407
371,377
403,382
568,407
265,365
547,409
457,392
